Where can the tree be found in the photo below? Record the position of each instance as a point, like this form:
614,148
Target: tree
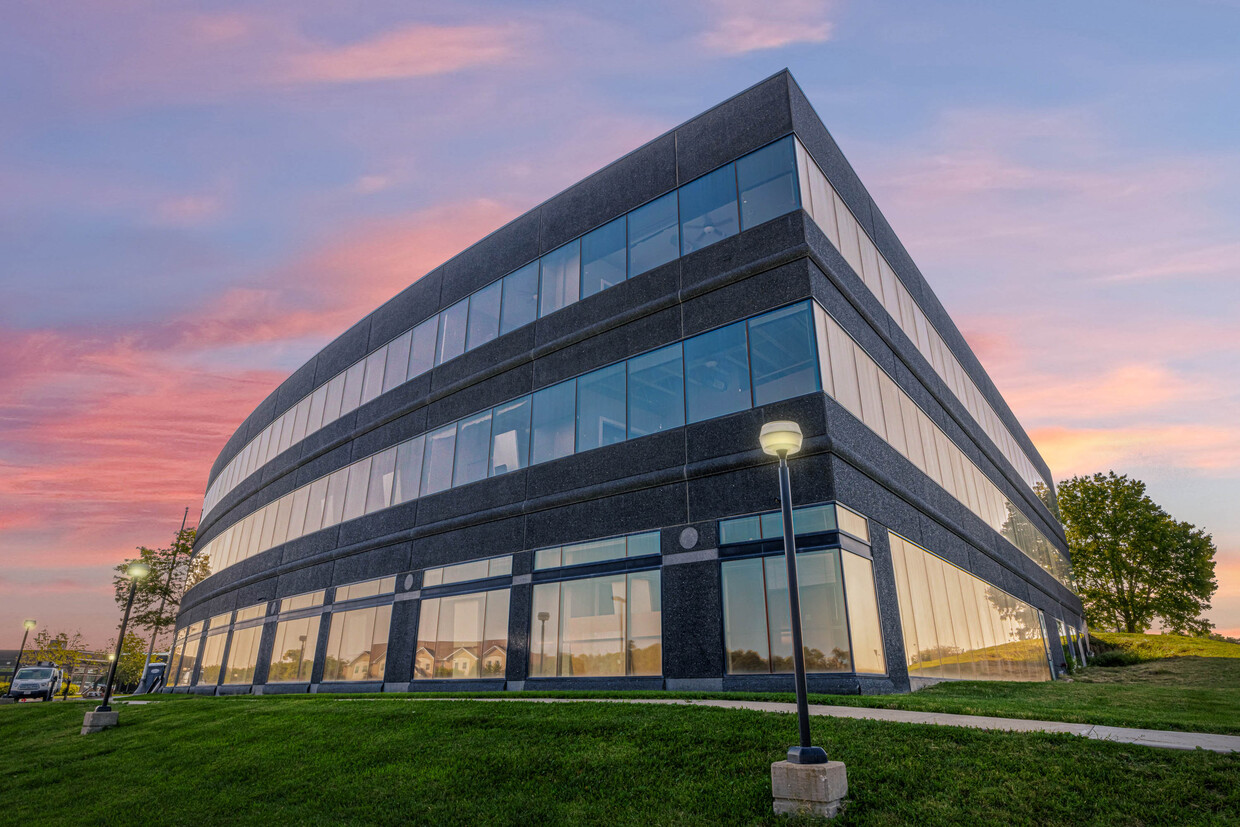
1133,562
63,649
158,596
133,661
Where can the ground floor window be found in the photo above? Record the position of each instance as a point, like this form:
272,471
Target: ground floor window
292,657
463,636
597,627
243,655
357,645
959,626
212,658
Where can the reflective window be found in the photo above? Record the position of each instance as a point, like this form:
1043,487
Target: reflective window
314,505
484,315
554,422
708,210
465,572
656,391
867,632
597,551
408,472
396,368
452,327
654,235
599,626
473,443
243,655
437,464
510,436
212,658
422,350
372,385
768,183
783,354
335,395
355,494
520,298
717,373
603,258
353,379
284,507
292,657
366,588
333,505
382,476
357,645
464,636
301,414
560,283
601,408
308,600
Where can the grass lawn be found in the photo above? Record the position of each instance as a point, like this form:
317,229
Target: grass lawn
392,759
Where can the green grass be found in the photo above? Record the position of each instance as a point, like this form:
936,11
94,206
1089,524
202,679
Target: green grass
1154,647
392,759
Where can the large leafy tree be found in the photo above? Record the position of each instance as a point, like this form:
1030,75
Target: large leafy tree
158,596
63,649
1134,564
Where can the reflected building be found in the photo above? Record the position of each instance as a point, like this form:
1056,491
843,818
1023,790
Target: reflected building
538,465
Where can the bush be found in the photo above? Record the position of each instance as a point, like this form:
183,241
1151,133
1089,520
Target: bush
1115,657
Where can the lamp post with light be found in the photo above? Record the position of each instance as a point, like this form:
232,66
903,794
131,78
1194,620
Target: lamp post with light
27,625
135,572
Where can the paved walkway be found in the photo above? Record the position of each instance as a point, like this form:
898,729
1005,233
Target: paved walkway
1165,739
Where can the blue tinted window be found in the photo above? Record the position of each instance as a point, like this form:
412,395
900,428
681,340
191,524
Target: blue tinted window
717,373
708,210
654,234
520,298
603,258
601,408
554,421
561,278
510,436
473,443
656,391
783,355
768,183
484,315
437,462
452,324
422,354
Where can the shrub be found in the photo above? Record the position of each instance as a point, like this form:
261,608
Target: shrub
1115,657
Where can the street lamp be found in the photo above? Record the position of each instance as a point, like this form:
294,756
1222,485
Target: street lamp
27,625
135,572
782,439
543,617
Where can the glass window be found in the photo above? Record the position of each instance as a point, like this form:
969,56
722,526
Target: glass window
292,657
243,655
601,408
484,315
301,415
520,298
853,523
708,210
863,621
783,355
654,234
452,327
717,373
408,473
554,422
437,464
561,278
212,659
352,387
269,527
396,368
284,508
744,618
333,505
465,572
656,391
306,600
849,247
382,473
768,183
473,443
366,588
286,432
355,494
465,636
357,645
893,420
603,257
510,436
317,399
314,506
422,349
547,558
335,396
600,626
372,385
740,530
871,400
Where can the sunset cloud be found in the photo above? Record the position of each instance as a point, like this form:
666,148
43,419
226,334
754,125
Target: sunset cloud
741,26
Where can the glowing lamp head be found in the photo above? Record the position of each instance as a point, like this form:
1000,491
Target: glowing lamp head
28,625
137,570
111,656
781,439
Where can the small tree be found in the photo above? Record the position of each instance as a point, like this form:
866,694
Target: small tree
133,661
1135,564
158,595
63,649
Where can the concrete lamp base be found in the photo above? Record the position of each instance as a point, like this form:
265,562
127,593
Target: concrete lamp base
99,721
814,789
7,700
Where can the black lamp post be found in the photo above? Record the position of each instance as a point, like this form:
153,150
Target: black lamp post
27,625
782,439
543,617
136,571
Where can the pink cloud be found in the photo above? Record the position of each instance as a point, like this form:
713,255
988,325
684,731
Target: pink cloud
741,26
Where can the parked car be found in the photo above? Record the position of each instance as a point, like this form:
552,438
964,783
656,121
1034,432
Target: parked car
40,681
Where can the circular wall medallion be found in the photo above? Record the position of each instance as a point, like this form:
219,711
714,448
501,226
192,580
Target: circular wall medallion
408,582
689,537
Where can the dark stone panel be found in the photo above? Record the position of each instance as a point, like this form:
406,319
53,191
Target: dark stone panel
613,462
293,389
475,498
593,684
619,187
901,262
749,297
311,545
984,566
233,689
390,433
743,491
324,464
347,348
286,688
308,579
469,543
505,353
639,510
818,683
379,524
868,494
738,433
402,640
739,125
259,592
407,308
609,346
278,474
330,434
839,288
478,397
764,247
692,621
266,642
506,249
943,542
350,687
520,601
381,409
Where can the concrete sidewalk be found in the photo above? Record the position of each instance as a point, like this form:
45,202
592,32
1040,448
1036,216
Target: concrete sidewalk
1164,739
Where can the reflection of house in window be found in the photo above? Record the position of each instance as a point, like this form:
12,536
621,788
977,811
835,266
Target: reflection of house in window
494,661
368,665
464,663
423,663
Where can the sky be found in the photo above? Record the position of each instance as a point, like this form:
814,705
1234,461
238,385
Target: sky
195,198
